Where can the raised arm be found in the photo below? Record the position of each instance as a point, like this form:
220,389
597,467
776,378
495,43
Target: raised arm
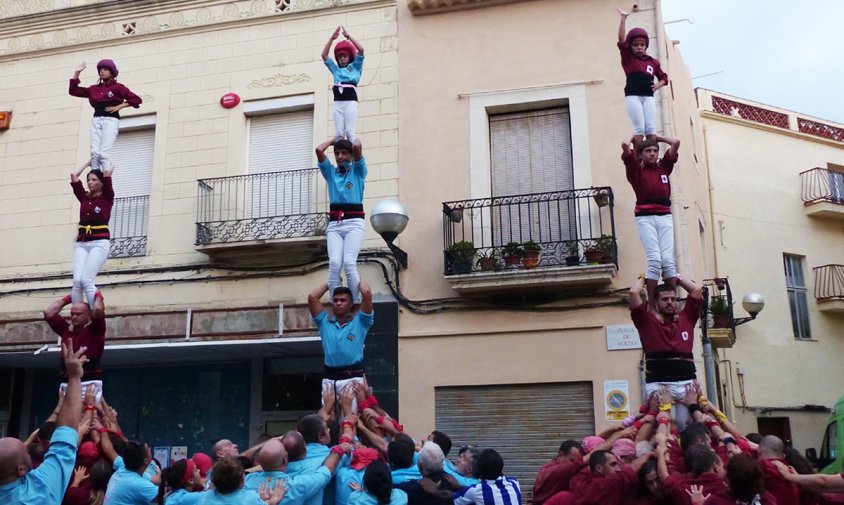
636,292
314,303
693,289
816,482
56,307
357,150
327,49
75,89
674,144
320,149
71,409
622,25
353,41
74,176
365,297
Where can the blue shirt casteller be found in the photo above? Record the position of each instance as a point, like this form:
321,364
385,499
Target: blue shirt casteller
405,474
349,74
448,467
46,484
127,487
397,497
344,187
242,496
183,497
299,487
314,458
342,344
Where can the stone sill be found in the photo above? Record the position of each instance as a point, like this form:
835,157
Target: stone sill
831,306
827,210
292,251
560,278
418,7
721,338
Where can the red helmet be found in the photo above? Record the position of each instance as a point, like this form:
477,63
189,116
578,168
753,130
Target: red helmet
345,46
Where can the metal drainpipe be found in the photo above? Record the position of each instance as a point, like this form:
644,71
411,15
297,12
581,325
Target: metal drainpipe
708,361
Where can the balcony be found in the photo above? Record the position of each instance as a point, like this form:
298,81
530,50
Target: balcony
829,288
717,320
823,193
543,242
275,218
128,227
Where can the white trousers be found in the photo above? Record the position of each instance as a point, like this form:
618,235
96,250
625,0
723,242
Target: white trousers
657,236
98,389
345,238
339,386
679,412
88,259
103,134
642,112
345,119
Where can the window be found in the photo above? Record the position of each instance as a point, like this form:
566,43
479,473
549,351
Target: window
282,181
836,182
531,152
796,287
132,156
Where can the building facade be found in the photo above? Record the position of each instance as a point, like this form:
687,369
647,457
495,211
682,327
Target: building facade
776,181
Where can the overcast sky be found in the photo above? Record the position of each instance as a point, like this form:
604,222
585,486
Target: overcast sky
786,54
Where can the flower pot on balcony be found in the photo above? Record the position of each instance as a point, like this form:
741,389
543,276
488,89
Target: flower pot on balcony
606,259
463,266
593,255
530,259
720,320
573,260
602,199
512,261
488,264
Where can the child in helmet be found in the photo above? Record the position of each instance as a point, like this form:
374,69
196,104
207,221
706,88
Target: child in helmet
346,72
107,97
641,70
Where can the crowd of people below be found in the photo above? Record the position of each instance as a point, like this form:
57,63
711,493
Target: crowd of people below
353,452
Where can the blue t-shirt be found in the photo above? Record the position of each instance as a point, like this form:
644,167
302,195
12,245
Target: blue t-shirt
242,496
46,484
342,345
397,497
314,458
350,74
300,487
183,497
448,467
405,474
128,488
344,188
344,476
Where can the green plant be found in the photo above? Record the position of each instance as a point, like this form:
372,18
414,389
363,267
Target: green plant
462,251
512,249
718,306
487,254
530,245
572,247
605,243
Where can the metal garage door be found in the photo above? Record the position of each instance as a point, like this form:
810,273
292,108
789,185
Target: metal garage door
525,423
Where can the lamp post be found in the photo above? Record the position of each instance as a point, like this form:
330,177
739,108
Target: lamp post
753,303
389,218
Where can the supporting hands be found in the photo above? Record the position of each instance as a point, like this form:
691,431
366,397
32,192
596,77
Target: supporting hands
696,494
274,495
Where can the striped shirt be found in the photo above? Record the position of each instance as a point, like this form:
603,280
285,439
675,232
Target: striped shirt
501,491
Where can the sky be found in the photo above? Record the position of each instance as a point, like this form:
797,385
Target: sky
776,52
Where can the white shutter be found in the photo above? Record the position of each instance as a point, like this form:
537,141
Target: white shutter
531,153
280,143
132,156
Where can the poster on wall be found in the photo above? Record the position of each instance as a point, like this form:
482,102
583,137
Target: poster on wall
616,400
162,455
178,452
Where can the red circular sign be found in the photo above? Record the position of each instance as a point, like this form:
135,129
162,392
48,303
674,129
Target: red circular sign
229,100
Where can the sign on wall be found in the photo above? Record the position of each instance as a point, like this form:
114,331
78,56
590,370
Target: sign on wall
616,400
623,336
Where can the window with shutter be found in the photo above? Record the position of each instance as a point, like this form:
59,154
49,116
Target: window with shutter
132,156
531,153
279,158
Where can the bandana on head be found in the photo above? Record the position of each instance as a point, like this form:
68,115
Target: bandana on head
188,471
362,457
590,443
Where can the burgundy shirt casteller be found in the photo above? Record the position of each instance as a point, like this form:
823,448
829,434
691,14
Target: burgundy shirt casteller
606,490
721,498
94,211
91,336
102,95
785,492
554,477
675,335
651,183
640,72
677,483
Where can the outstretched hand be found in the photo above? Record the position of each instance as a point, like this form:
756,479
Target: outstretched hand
73,361
336,33
274,495
696,494
623,13
80,67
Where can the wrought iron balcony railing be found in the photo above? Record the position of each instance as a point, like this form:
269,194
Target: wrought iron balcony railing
274,205
128,226
566,228
829,282
822,185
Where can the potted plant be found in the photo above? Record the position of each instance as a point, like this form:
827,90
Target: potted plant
488,260
461,254
593,253
573,257
720,310
605,244
602,197
530,258
512,253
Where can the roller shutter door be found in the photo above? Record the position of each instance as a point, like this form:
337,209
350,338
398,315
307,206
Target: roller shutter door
524,423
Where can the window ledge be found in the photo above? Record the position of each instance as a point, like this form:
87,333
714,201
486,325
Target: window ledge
560,278
832,306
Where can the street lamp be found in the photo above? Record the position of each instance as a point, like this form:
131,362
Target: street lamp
389,218
753,303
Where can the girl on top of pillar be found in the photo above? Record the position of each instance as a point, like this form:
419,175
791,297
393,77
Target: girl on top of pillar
346,73
640,70
346,225
107,97
92,238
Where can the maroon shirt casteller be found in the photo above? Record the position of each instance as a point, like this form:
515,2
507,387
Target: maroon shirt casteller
640,72
102,95
675,335
602,490
677,483
722,498
93,211
91,336
651,183
554,477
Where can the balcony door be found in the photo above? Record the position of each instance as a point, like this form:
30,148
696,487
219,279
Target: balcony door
132,155
280,152
531,153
